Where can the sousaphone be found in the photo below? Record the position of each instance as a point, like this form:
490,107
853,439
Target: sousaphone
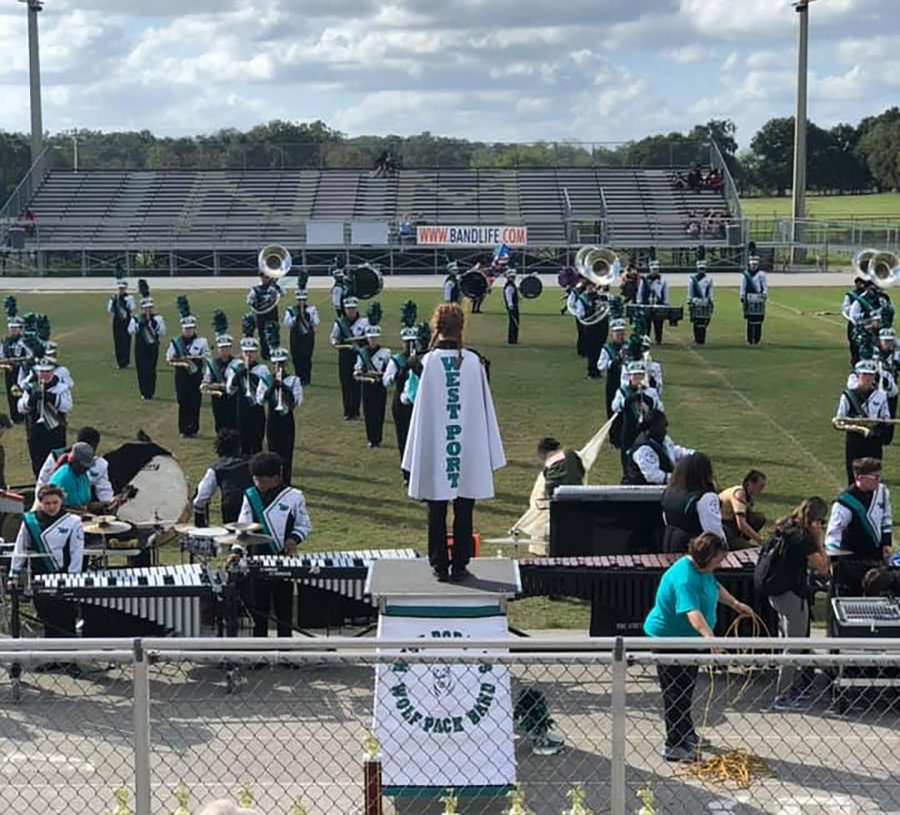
882,268
601,267
274,262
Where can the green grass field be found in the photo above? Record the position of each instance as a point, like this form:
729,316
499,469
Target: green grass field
834,207
768,407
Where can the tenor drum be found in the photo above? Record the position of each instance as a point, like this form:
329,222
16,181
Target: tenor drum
701,312
755,305
531,287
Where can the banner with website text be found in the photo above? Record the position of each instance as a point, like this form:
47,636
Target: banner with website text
462,235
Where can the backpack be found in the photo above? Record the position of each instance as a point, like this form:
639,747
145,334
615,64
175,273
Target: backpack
771,575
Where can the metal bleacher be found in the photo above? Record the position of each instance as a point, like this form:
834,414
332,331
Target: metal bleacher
240,209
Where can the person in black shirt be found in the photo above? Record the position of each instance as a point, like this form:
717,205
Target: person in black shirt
230,474
561,467
690,503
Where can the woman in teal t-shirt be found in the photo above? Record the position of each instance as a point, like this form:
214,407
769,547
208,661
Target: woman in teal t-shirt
685,606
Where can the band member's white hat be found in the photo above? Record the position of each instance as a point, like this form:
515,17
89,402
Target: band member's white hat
189,322
636,367
866,366
409,333
510,271
249,344
617,325
301,294
452,267
121,283
887,334
653,264
279,355
753,259
224,341
15,322
373,331
147,302
45,364
701,265
351,302
337,273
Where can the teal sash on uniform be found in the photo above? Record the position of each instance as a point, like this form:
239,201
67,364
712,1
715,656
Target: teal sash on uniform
217,375
866,305
34,530
344,327
366,359
178,345
400,361
751,282
855,404
852,503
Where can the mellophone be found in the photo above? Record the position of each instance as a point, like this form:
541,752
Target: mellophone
674,314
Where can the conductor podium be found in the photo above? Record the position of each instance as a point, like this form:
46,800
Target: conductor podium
444,724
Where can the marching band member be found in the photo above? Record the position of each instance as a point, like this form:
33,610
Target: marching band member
347,330
230,474
215,371
865,311
638,350
511,301
754,290
396,374
57,536
690,504
45,403
653,455
866,401
860,523
583,301
98,469
337,291
852,296
633,401
263,301
121,307
146,330
454,442
188,353
242,381
611,361
653,290
700,301
630,283
283,393
281,512
302,320
452,293
371,363
15,353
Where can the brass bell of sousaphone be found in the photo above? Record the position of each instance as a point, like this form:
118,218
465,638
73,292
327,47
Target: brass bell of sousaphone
274,261
882,268
599,265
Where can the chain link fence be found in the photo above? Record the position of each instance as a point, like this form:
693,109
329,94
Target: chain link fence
180,723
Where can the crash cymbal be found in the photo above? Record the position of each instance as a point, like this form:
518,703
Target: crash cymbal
184,529
105,528
252,526
245,539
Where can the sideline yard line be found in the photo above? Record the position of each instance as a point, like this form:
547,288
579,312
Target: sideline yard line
825,318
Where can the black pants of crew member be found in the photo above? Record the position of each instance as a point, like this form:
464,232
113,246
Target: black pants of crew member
857,446
401,414
268,598
41,442
677,683
280,434
438,556
754,332
261,320
121,343
302,347
512,326
58,616
251,426
145,359
12,401
224,410
350,388
594,337
580,348
700,332
374,401
657,323
187,393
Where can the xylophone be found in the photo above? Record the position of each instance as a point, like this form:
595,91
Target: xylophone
622,588
151,600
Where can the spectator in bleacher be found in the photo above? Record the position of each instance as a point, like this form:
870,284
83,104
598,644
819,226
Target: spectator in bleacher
692,227
390,164
716,180
29,221
379,168
405,229
694,178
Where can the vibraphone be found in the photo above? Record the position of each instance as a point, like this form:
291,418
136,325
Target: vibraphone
331,585
622,588
144,601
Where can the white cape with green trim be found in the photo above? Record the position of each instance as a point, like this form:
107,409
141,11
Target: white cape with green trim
454,442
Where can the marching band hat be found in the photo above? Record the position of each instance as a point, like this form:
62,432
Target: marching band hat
452,267
45,364
53,346
224,341
15,322
121,283
279,355
351,302
510,271
866,366
653,264
701,265
636,367
373,331
409,333
249,344
189,322
753,259
887,334
617,325
645,341
337,274
301,294
147,302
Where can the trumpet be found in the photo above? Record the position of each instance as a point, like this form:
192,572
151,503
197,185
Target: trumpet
214,389
279,397
369,377
350,344
10,363
187,361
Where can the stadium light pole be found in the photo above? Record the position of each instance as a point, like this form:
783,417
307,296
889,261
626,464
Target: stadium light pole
34,72
799,186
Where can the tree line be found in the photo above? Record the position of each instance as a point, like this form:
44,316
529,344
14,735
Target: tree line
843,159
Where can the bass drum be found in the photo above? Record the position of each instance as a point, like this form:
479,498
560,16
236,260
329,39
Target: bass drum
363,282
162,496
473,284
531,287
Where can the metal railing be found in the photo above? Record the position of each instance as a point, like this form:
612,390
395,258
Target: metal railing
149,722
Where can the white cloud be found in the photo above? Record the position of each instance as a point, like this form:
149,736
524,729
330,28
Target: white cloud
695,52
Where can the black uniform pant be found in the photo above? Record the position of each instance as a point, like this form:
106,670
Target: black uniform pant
302,347
854,351
121,343
401,414
11,381
700,332
58,616
677,683
857,446
189,397
280,434
476,304
580,348
350,388
512,326
438,556
251,426
224,410
656,321
271,597
41,442
754,331
593,345
145,359
374,401
261,321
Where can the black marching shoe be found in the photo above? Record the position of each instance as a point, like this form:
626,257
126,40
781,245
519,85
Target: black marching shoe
442,575
459,573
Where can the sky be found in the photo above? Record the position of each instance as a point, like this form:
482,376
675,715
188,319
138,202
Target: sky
491,70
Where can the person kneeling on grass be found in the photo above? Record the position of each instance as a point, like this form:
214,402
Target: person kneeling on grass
686,605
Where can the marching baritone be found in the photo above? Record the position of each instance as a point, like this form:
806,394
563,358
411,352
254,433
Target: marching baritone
452,294
868,403
215,371
45,403
283,393
511,301
281,512
57,539
348,330
397,372
242,381
121,307
611,361
653,455
369,370
188,353
753,294
700,301
229,473
634,401
653,290
15,354
146,330
263,301
302,320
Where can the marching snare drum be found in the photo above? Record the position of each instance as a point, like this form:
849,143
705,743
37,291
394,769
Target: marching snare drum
755,305
701,311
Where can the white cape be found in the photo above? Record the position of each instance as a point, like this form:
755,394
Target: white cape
454,442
